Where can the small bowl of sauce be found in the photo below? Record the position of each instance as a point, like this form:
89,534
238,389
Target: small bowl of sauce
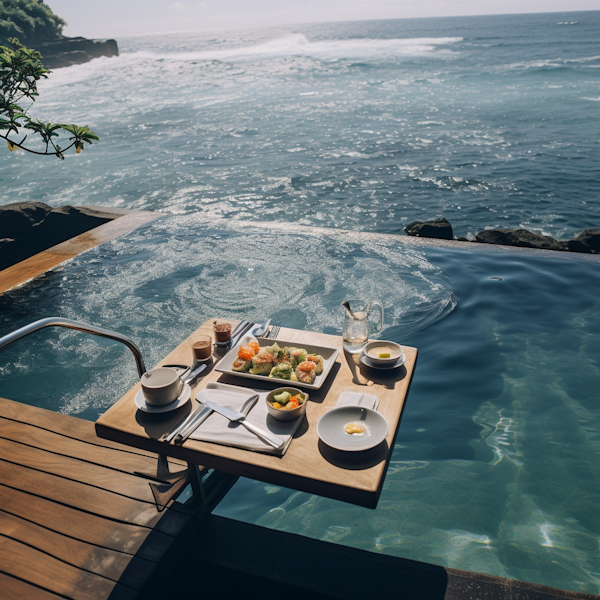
383,353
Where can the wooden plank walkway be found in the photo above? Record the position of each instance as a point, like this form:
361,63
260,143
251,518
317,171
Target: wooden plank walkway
75,521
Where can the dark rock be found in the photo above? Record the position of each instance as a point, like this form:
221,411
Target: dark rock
519,237
75,51
460,239
17,219
59,225
577,246
439,229
589,238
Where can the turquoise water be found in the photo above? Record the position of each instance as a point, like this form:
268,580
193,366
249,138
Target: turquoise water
496,467
489,121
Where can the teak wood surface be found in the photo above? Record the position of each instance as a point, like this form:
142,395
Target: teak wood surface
308,465
76,520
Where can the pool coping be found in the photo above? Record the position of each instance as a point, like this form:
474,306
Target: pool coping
419,242
26,270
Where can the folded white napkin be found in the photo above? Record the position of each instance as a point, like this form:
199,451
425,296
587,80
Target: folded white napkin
358,399
220,430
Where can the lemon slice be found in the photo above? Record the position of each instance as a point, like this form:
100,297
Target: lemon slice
385,355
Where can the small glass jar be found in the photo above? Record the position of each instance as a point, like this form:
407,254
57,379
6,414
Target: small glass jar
222,332
201,347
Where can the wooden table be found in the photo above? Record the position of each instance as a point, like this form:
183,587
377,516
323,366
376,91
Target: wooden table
308,465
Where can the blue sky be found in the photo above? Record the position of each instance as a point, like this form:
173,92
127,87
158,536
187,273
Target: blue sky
114,18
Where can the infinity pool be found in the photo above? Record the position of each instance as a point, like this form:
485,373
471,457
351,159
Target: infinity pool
496,468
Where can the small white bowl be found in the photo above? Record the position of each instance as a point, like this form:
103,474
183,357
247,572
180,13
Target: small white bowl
370,351
331,428
286,415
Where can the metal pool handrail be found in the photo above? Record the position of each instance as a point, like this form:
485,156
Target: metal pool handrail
50,321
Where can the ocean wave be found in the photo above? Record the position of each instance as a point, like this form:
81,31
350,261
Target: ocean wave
298,45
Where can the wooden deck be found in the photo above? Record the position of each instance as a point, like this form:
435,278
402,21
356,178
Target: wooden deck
75,520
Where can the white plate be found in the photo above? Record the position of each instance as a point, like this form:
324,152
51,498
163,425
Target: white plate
331,428
329,355
140,401
365,360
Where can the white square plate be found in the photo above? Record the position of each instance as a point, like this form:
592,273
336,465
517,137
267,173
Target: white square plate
329,355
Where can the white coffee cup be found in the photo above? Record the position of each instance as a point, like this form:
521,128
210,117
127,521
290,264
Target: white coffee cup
161,386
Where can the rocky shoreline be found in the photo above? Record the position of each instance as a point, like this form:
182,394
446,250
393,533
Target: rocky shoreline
27,228
74,51
586,242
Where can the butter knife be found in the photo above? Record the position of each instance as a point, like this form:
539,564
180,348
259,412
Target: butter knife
239,417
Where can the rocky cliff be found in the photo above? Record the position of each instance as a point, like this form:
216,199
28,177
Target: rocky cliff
74,51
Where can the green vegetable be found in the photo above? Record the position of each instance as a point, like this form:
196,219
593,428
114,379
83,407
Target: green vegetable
282,398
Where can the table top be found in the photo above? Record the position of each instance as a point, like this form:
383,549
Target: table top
308,465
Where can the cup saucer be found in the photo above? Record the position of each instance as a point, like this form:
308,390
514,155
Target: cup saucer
365,360
140,401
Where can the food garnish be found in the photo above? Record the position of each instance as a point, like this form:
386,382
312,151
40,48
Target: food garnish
354,429
285,401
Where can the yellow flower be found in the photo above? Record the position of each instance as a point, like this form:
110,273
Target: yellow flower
11,147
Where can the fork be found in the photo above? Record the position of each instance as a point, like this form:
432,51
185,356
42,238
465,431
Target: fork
273,333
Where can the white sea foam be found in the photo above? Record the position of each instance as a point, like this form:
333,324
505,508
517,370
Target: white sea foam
298,45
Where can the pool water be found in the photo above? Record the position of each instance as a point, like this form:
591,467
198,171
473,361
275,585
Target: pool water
496,468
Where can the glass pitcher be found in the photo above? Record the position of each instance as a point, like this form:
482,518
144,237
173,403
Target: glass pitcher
356,327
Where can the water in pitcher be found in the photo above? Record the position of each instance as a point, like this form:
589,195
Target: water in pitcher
356,327
356,333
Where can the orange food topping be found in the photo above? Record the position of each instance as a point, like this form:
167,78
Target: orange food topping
246,352
307,366
265,357
254,346
293,403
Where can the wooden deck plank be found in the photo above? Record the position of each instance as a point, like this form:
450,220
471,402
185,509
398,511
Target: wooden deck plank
31,435
65,425
15,589
75,522
85,526
31,565
101,561
79,495
77,470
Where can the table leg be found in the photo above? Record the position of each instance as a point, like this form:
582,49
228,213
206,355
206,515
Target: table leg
197,485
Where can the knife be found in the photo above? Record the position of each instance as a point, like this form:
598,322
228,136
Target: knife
199,416
239,417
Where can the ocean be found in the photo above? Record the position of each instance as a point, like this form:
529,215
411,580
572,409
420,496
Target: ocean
241,138
487,121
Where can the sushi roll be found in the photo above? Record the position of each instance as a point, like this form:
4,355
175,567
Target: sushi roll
262,363
241,365
318,360
298,355
281,371
306,372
